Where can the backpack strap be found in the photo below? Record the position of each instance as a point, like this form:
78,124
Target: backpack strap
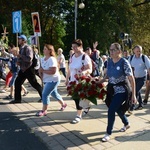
72,55
143,58
70,59
131,58
83,58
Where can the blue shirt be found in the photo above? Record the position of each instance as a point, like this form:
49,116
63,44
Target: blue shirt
118,72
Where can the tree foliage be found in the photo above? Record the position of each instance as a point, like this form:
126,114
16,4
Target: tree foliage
101,21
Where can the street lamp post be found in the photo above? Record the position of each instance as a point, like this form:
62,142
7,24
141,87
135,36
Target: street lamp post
75,17
81,6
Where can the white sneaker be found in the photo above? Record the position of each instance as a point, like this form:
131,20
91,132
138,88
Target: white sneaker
3,91
125,128
106,138
76,120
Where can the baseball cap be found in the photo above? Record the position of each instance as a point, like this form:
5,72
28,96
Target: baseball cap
22,37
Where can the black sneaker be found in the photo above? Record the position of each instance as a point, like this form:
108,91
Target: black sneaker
8,97
40,100
145,102
14,102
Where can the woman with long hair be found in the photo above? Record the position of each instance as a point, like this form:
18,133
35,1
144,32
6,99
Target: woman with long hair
51,78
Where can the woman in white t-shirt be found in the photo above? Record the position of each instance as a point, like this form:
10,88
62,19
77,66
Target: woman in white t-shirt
61,61
51,78
75,67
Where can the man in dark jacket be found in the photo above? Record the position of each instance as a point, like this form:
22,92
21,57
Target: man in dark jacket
27,71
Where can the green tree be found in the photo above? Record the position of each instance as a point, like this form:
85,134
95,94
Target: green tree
101,21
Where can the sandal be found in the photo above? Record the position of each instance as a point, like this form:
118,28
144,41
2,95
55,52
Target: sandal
125,128
63,107
41,113
25,93
76,120
86,110
145,102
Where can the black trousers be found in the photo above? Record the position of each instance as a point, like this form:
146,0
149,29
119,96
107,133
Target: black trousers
29,74
63,70
77,101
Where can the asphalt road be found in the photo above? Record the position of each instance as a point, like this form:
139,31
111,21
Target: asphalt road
15,135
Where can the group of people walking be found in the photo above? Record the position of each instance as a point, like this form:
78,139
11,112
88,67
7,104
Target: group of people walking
124,77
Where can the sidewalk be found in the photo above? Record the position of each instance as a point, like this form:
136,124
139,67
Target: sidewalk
57,132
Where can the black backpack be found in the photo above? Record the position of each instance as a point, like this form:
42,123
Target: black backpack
35,58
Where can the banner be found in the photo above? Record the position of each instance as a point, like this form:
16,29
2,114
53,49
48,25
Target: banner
36,23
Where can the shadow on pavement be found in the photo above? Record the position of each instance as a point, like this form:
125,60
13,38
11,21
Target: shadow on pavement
15,135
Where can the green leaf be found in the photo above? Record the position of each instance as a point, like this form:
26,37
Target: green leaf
93,100
75,96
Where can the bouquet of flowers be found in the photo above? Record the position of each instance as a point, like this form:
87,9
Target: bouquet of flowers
86,87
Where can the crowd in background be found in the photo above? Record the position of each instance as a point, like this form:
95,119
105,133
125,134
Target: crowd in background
120,70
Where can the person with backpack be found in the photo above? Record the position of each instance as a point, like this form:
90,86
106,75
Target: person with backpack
141,65
80,64
27,71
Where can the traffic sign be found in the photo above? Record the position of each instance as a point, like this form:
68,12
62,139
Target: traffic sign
17,22
33,40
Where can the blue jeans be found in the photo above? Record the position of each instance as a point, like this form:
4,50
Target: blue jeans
12,81
50,88
139,84
114,107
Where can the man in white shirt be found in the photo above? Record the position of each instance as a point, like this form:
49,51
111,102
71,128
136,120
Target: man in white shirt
141,65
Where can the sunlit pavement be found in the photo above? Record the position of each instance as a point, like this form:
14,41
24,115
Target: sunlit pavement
56,131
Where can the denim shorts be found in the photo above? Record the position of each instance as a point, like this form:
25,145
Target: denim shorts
12,81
